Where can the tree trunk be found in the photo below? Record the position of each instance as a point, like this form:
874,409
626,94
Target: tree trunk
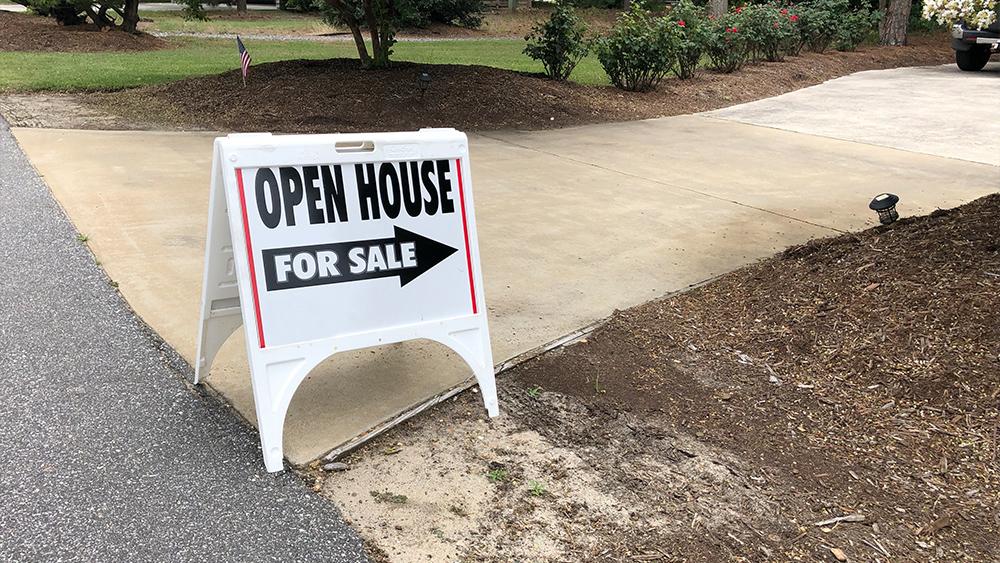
241,7
895,19
130,16
718,8
347,15
359,42
373,32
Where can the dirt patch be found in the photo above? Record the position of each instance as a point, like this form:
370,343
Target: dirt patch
841,395
23,32
60,111
336,96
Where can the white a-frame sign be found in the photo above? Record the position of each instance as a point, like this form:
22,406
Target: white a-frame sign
319,244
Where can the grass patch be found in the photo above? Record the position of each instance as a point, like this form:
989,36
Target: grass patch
34,71
276,22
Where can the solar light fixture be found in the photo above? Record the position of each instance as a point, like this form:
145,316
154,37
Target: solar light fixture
885,206
424,81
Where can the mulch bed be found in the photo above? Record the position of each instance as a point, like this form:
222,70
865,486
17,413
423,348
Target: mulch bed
336,96
23,32
850,375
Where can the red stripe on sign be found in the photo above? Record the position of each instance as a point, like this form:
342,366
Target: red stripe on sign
253,273
465,229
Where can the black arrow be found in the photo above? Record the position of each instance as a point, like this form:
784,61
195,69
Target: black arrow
318,268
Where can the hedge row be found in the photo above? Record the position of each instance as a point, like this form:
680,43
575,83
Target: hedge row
643,47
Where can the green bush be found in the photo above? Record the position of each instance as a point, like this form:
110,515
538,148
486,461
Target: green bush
193,10
796,41
769,31
466,13
407,13
727,45
854,28
819,21
692,33
640,50
300,5
65,12
559,42
105,14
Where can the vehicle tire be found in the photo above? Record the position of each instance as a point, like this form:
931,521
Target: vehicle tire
972,60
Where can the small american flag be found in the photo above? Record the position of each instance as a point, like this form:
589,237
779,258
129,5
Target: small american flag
244,59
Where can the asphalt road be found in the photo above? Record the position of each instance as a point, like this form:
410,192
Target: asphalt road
107,454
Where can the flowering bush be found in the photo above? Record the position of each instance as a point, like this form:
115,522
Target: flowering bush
558,43
727,45
979,14
691,31
640,50
768,31
796,40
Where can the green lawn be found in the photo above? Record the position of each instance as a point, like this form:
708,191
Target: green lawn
20,71
276,22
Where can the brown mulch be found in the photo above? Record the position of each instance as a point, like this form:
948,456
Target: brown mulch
23,32
851,375
335,95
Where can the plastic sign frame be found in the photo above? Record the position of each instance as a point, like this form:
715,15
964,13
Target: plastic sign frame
311,249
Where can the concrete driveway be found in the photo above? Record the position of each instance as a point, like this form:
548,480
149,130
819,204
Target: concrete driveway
937,110
574,223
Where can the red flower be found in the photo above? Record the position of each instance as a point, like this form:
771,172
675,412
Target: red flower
793,18
739,10
776,25
784,11
680,23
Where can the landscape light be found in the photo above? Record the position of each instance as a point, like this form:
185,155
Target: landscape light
424,81
885,206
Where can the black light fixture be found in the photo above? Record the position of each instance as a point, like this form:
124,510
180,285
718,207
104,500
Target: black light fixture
885,206
424,81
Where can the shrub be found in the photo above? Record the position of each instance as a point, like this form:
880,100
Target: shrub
559,42
769,31
726,46
420,13
65,12
105,14
796,40
819,21
193,10
640,50
399,14
853,28
299,5
692,36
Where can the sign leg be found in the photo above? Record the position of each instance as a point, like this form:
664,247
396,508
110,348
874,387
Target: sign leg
270,422
221,314
473,345
488,387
